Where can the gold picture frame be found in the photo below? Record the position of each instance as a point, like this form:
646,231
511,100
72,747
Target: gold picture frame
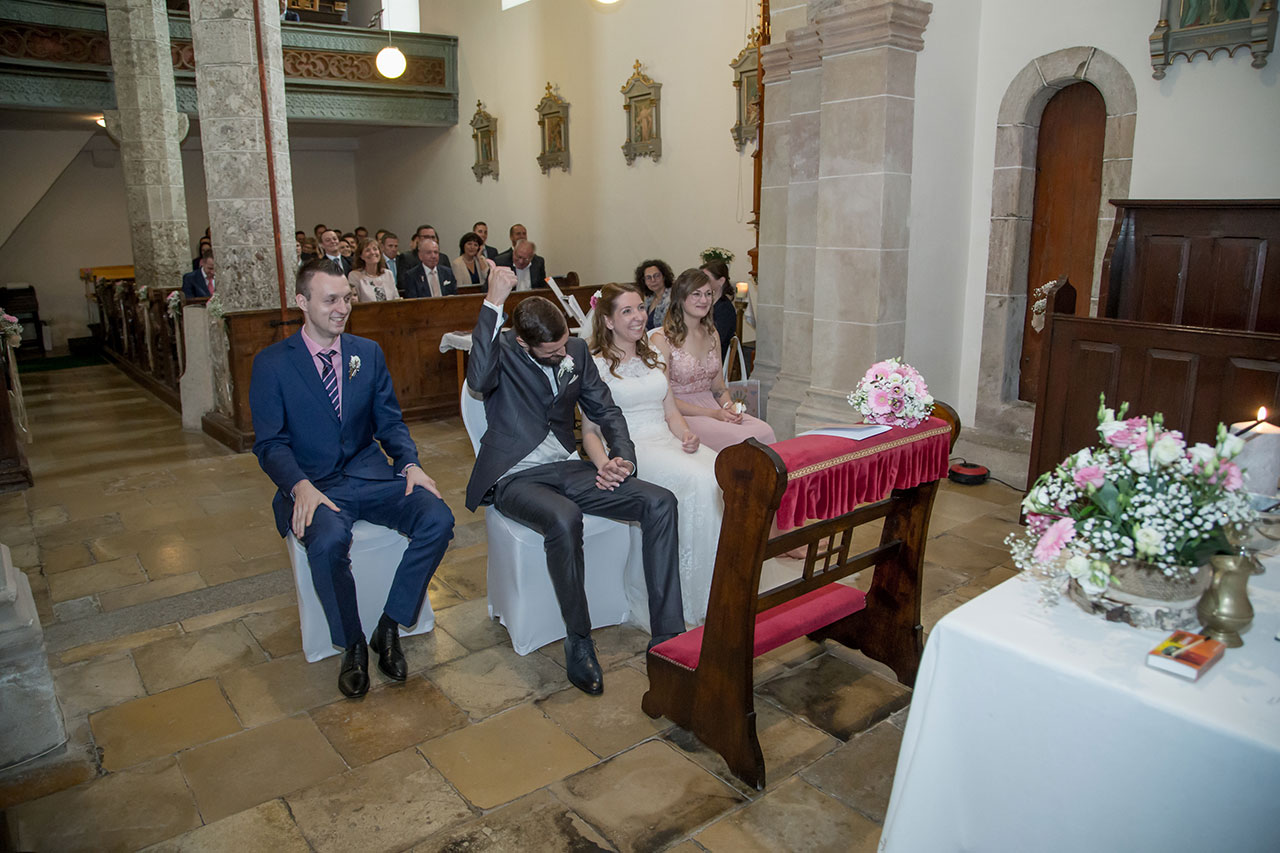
746,86
553,124
642,104
484,131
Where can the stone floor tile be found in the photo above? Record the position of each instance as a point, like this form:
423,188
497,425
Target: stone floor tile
796,652
442,595
614,646
150,591
98,577
260,542
49,516
220,504
794,816
987,530
506,756
76,608
788,745
42,778
277,631
283,601
237,773
79,531
387,719
469,624
281,688
40,596
609,723
426,651
647,797
990,491
24,555
537,821
485,682
190,657
962,555
141,516
467,576
860,773
962,505
234,570
122,811
265,827
96,684
938,581
152,726
836,696
117,644
387,805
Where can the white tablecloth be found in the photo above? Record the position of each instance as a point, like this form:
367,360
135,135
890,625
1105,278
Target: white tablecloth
455,340
1043,729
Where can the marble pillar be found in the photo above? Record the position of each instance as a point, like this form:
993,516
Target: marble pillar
234,131
32,719
863,196
148,127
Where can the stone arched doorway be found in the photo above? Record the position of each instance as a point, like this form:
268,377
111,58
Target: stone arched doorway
1013,191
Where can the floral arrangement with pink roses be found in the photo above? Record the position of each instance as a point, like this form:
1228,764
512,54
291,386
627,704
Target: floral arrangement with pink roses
892,393
1142,495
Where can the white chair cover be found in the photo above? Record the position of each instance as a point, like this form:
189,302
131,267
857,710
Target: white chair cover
375,555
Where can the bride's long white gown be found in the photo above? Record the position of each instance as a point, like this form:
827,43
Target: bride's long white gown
691,477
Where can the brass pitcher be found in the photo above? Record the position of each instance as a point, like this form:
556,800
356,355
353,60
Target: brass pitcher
1224,609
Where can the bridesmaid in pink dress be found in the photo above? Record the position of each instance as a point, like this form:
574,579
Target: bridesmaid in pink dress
691,348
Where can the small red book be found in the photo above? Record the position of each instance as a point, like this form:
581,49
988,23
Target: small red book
1185,654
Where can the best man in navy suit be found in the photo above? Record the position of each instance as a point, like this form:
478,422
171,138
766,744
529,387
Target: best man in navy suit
430,277
199,283
326,418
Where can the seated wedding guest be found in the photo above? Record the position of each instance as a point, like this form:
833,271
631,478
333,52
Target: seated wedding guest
379,234
309,251
430,277
533,378
515,234
352,246
390,244
370,279
361,233
723,314
471,265
691,348
300,235
667,451
198,284
319,230
331,245
326,447
205,246
528,265
654,279
488,251
430,233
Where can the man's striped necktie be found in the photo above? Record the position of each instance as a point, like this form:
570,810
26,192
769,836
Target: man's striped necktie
329,377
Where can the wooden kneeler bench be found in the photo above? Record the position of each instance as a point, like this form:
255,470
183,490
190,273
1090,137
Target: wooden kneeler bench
702,680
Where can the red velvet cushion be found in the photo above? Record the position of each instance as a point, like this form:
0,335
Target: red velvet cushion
776,626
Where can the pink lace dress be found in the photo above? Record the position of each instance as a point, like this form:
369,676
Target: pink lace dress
691,380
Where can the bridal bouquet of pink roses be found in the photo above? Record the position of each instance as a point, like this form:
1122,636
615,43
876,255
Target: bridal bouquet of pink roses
892,393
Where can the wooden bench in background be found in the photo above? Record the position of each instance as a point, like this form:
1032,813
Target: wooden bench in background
702,680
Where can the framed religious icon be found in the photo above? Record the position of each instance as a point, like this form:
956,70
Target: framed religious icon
484,130
1188,28
553,121
746,87
642,105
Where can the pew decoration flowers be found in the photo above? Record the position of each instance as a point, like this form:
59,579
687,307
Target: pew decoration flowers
140,290
892,393
173,303
716,253
214,307
10,328
121,288
353,366
1140,501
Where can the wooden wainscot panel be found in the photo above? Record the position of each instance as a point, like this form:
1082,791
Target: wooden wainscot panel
1168,382
409,332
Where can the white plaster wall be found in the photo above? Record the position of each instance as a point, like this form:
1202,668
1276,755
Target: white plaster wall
29,162
1207,130
603,216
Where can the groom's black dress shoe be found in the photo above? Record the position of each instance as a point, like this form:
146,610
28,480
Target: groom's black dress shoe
580,661
386,642
353,678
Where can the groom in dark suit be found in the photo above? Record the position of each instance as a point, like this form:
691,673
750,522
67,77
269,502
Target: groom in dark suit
532,378
326,418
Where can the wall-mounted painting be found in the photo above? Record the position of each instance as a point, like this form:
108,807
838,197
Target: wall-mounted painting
484,130
642,103
553,120
746,88
1188,28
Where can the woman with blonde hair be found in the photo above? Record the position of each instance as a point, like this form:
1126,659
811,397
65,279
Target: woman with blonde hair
668,453
690,345
370,279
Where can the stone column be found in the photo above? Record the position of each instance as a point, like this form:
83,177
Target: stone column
233,136
32,720
863,195
804,96
148,127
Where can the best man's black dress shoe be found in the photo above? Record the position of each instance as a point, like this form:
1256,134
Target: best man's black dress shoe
386,642
580,661
353,678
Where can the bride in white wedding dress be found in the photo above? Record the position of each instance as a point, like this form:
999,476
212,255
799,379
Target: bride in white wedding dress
667,451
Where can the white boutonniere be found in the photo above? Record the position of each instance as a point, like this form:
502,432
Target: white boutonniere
566,366
353,366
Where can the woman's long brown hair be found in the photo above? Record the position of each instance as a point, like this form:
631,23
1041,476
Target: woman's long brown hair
673,325
602,336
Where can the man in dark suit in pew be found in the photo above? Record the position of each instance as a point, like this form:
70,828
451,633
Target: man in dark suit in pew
199,284
430,277
527,264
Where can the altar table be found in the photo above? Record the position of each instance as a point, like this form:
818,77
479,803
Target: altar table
1043,729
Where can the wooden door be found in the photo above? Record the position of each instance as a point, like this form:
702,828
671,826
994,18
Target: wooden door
1064,224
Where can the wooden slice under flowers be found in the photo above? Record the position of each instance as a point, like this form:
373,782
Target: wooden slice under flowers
1128,527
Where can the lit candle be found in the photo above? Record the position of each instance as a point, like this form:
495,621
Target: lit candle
742,289
1260,457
